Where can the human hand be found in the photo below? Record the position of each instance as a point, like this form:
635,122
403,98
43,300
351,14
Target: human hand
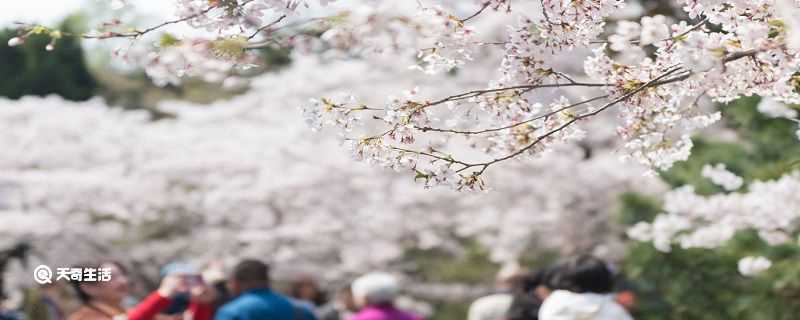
202,293
172,285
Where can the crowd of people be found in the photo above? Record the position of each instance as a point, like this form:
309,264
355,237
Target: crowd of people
579,288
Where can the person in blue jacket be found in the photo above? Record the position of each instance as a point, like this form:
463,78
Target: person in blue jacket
255,300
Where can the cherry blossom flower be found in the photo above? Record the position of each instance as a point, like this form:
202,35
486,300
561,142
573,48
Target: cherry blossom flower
752,266
722,177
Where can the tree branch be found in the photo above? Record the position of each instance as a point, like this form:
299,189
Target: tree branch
545,115
486,5
266,26
139,33
580,117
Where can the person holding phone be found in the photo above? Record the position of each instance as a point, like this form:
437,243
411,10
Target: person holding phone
183,295
103,300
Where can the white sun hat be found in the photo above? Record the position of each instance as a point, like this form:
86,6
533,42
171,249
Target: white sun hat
376,288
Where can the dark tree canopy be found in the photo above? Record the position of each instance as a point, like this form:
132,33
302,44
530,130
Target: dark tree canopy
29,69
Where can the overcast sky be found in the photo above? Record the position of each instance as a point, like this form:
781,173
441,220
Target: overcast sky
52,11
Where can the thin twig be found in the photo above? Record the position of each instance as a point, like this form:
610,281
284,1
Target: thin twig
139,33
545,115
486,5
577,118
266,27
476,93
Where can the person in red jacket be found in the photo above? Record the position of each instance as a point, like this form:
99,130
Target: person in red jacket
102,300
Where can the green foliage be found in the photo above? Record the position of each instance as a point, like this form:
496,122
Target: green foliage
450,311
705,284
135,91
470,266
276,57
29,69
636,208
473,266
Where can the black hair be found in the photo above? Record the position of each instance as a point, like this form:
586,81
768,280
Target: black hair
525,304
296,286
552,277
76,285
251,271
584,274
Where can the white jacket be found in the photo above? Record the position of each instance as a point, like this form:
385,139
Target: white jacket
493,307
565,305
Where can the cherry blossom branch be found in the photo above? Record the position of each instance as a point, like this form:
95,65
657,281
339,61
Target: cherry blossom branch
483,8
577,118
139,33
741,54
476,93
266,43
694,27
683,34
270,25
545,115
659,80
431,155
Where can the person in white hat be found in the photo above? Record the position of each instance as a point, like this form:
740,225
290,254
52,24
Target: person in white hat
374,294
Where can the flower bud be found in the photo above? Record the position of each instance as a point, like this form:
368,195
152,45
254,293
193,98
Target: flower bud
15,41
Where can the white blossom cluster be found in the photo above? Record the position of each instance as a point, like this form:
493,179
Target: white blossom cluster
189,59
771,208
751,266
776,109
222,16
719,175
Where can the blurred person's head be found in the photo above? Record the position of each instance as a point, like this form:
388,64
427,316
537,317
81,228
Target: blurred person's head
375,288
526,302
186,277
304,287
586,274
214,275
109,292
509,276
548,280
344,297
248,274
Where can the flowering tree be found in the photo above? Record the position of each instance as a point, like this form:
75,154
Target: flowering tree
245,178
757,150
656,74
653,70
763,203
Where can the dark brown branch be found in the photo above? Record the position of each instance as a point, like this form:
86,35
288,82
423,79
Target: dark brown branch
476,93
545,115
741,54
577,118
486,5
270,25
139,33
431,155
